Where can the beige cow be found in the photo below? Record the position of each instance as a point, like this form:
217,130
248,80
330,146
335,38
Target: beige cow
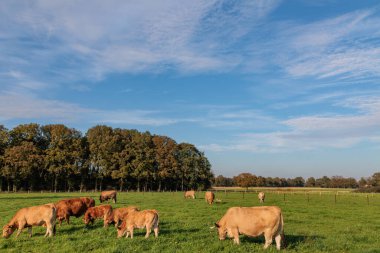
253,221
119,214
261,197
190,194
106,195
139,219
209,197
43,215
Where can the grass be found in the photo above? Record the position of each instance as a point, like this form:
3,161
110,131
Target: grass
318,225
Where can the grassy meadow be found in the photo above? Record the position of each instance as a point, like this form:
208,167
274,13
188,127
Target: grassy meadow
313,223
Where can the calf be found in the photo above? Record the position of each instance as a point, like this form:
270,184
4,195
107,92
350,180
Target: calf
98,212
261,197
106,195
190,194
43,215
118,214
209,197
139,219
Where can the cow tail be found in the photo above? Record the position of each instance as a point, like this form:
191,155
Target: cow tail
282,231
155,219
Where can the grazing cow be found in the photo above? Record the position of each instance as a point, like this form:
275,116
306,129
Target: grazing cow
118,214
190,194
43,215
209,197
98,212
139,219
252,221
106,195
72,207
261,197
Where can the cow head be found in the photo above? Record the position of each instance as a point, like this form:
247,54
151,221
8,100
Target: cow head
8,230
221,231
121,229
87,218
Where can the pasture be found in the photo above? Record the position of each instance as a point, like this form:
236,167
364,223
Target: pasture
313,223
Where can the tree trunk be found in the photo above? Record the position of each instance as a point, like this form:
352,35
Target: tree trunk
55,182
138,184
121,184
96,184
159,185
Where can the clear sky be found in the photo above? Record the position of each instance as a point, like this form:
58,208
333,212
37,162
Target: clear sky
275,88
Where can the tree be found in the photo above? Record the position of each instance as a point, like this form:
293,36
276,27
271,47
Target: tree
245,180
310,182
4,142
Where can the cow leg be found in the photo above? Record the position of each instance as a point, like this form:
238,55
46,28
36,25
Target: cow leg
49,230
131,230
278,241
235,234
67,218
155,229
148,230
19,231
268,239
30,231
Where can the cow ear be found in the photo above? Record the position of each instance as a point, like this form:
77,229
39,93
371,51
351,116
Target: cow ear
217,225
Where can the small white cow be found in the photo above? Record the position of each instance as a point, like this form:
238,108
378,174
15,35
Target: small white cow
261,197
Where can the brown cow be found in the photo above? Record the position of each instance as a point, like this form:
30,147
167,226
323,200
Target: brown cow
253,221
118,214
98,212
43,215
190,194
72,207
106,195
139,219
209,197
261,197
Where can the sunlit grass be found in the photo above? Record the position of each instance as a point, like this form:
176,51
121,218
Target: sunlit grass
314,223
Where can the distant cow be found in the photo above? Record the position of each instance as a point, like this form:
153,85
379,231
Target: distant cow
43,215
106,195
190,194
209,197
98,212
139,219
252,221
118,214
261,197
72,207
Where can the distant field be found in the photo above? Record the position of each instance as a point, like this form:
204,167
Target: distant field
286,189
313,223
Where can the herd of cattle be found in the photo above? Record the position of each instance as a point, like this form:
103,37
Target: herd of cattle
250,221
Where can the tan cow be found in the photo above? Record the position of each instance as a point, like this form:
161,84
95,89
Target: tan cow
253,221
98,212
139,219
190,194
261,196
209,197
72,207
118,214
43,215
106,195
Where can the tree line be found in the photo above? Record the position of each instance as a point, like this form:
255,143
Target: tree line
250,180
58,158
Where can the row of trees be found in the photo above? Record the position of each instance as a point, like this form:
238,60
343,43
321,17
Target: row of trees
58,158
249,180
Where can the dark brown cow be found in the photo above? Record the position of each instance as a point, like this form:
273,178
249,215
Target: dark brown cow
72,207
106,195
28,217
98,212
119,214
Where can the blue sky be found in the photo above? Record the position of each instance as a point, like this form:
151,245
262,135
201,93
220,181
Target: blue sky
275,88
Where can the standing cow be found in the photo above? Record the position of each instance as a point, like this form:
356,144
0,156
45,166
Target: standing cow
209,197
43,215
106,195
98,212
252,221
261,197
119,214
139,219
190,194
72,207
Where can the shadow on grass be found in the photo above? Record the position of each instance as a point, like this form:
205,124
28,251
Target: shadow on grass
291,241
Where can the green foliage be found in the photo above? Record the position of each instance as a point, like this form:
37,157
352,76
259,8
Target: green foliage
317,225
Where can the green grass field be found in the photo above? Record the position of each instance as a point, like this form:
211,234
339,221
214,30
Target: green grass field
319,225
